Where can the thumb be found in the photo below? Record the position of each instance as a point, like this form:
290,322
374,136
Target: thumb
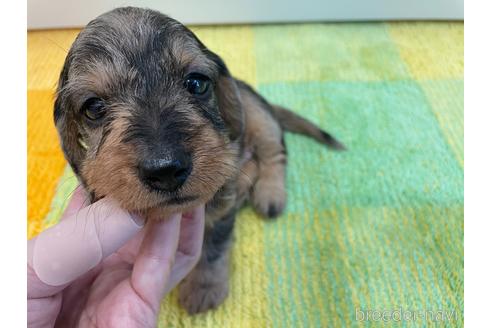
77,244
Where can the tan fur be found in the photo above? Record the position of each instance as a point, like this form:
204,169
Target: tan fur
264,136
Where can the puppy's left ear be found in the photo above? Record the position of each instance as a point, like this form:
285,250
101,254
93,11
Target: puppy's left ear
229,99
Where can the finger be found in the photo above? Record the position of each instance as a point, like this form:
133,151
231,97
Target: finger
153,264
77,244
191,233
129,251
189,247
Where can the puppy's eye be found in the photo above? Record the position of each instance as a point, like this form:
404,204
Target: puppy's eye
94,109
197,84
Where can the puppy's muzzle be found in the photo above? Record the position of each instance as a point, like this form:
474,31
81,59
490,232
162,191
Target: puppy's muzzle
166,174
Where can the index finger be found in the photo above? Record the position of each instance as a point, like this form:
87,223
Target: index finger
189,247
154,261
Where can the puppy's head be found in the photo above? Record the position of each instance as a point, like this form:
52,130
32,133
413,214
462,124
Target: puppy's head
146,113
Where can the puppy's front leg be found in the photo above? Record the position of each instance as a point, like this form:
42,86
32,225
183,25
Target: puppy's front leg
207,285
268,194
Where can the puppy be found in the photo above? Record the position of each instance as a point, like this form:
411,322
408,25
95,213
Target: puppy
148,115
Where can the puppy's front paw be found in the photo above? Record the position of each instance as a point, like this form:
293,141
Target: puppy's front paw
269,198
198,297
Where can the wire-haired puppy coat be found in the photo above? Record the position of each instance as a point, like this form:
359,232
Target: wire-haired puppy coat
150,117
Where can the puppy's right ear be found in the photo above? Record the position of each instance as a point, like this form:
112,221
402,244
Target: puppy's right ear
66,123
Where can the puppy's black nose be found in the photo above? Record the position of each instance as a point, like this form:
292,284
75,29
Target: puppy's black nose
165,174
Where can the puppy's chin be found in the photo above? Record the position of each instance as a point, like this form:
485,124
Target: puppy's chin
162,212
165,208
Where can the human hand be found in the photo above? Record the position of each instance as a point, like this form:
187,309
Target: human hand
101,267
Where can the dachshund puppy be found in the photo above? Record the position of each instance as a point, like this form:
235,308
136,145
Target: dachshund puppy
148,115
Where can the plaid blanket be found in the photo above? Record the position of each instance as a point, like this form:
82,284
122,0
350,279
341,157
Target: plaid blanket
370,235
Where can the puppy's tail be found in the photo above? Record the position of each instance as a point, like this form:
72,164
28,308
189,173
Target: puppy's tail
294,123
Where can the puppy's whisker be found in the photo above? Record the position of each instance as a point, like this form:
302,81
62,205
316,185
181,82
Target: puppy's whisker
65,51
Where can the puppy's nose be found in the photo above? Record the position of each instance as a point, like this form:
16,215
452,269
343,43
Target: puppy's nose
165,174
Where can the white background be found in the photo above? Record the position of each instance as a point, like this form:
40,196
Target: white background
67,13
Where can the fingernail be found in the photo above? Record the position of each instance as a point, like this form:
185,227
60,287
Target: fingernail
195,212
72,247
188,215
138,219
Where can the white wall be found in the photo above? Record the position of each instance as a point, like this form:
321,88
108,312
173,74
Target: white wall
69,13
